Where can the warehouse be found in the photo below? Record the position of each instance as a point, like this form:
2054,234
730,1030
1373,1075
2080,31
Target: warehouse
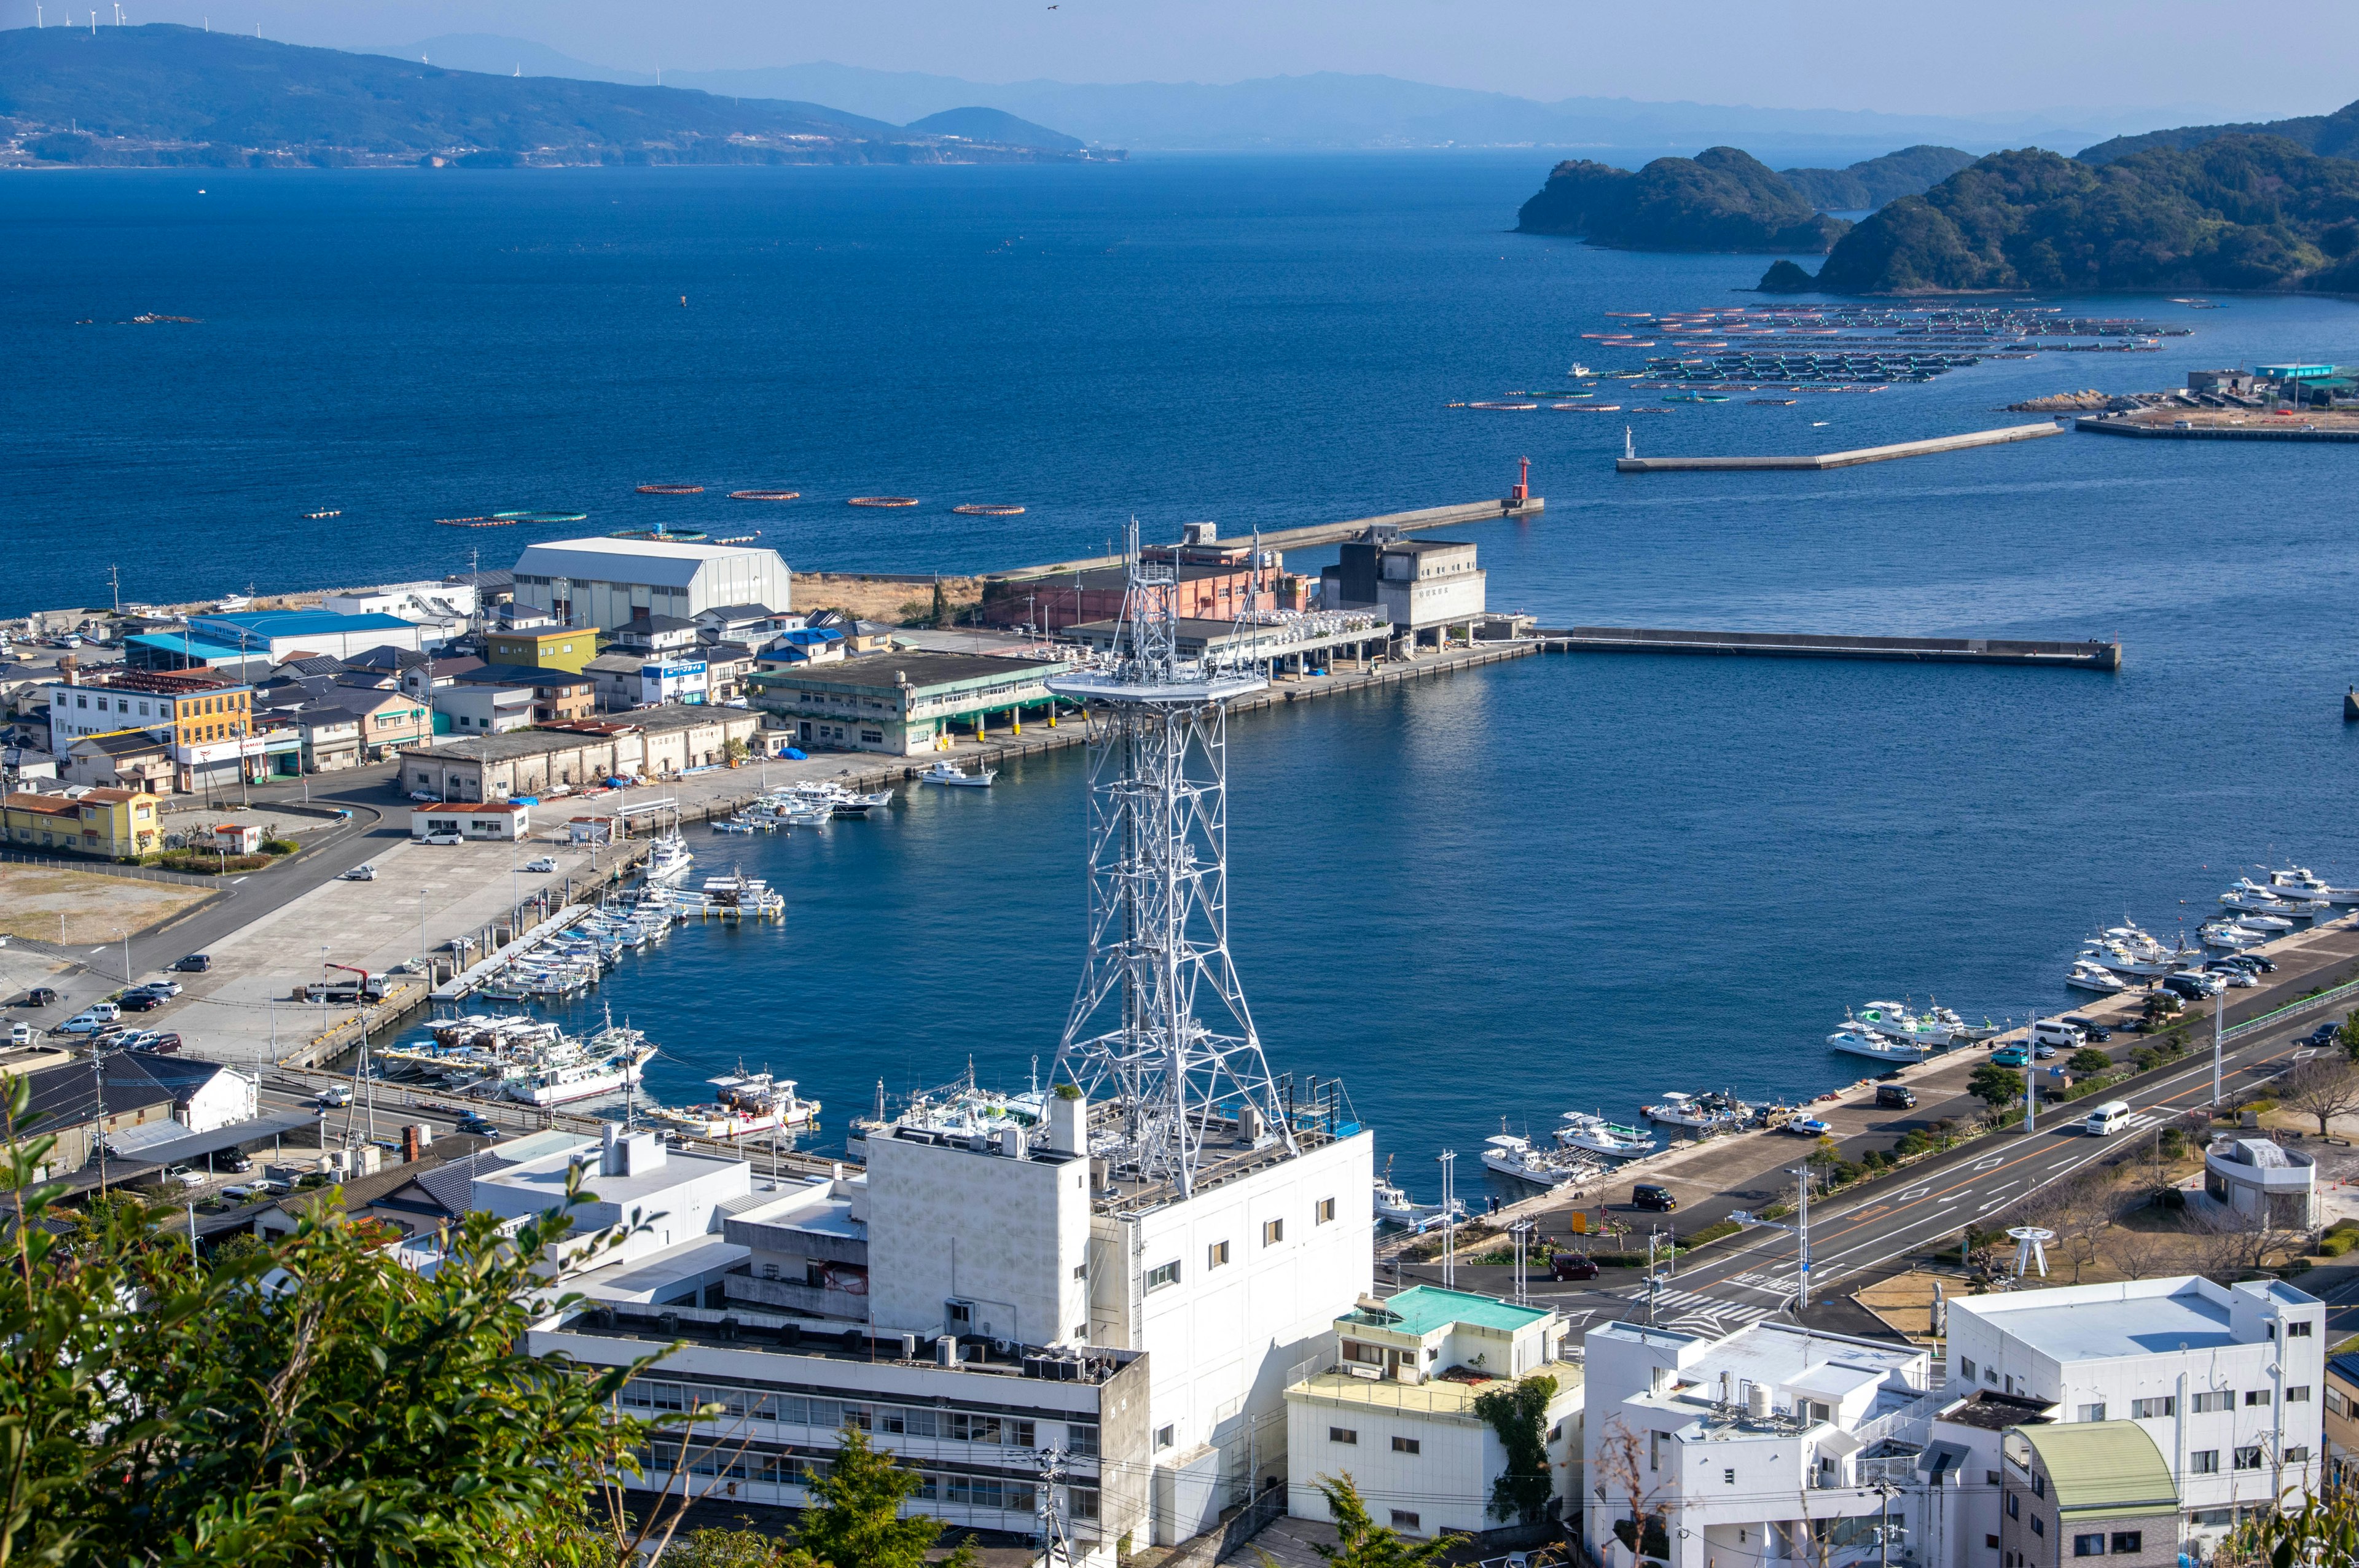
904,704
654,743
607,583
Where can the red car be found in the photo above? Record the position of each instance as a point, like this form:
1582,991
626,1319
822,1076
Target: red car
1572,1266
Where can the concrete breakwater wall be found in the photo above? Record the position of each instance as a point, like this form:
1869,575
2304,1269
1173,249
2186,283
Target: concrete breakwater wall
1854,458
2091,656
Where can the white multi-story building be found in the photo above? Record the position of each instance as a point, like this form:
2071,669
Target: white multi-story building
608,583
2229,1380
1770,1445
1392,1403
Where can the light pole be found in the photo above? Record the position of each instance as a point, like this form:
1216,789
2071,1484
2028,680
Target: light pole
425,958
1448,1162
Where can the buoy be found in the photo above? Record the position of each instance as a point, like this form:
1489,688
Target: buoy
672,490
882,501
763,495
977,509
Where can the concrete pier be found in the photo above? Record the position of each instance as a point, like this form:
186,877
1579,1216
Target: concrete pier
1422,521
1808,645
1850,458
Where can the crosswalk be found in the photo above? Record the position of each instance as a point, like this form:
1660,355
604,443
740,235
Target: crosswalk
1695,1312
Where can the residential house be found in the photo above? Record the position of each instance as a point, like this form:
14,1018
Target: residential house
2342,1421
559,696
206,1096
726,666
2094,1489
70,1108
542,648
653,635
1394,1404
426,679
753,623
119,824
805,646
480,708
124,759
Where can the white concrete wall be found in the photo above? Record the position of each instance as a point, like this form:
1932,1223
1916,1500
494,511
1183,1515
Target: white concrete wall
230,1097
1011,1236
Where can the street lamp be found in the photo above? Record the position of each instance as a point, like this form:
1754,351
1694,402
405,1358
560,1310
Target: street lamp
1801,1228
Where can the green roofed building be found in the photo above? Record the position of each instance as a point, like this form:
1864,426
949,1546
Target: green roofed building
2086,1489
906,704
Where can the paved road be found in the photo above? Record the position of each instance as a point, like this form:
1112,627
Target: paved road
1753,1276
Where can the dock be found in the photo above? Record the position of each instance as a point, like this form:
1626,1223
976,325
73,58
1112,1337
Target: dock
1851,458
1811,646
2189,431
1424,520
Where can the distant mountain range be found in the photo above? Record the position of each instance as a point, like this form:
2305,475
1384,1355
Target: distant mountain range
1331,110
165,95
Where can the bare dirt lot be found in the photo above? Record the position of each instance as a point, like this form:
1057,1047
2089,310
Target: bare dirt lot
72,907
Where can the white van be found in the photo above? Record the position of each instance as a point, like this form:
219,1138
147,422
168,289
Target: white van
2057,1032
2108,1118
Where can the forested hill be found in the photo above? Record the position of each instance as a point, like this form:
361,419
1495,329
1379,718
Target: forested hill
2335,136
165,95
1871,182
1720,200
2233,212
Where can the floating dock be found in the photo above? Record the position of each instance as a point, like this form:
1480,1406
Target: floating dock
1808,645
1850,458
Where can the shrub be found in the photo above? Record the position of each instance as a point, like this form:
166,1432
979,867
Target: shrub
1911,1143
2335,1243
2089,1059
279,845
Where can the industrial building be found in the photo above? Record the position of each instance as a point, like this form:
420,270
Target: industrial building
903,704
605,582
651,742
1425,587
281,634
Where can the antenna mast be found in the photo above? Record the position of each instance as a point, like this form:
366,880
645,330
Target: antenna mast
1159,901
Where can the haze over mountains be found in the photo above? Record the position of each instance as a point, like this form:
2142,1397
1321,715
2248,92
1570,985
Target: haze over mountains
1331,110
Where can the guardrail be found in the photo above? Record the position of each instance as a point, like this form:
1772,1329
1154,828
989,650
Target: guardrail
2327,998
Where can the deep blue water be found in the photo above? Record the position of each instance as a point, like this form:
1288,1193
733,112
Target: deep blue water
1559,882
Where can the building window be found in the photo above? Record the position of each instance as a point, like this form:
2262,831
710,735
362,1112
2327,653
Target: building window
1991,1541
1404,1520
2215,1519
1728,1477
2217,1399
2298,1329
1082,1501
2013,1510
2092,1412
1820,1412
2038,1485
2299,1455
2038,1525
2299,1394
1216,1255
2148,1410
2248,1458
1163,1274
1405,1446
2335,1403
1990,1374
1342,1435
1356,1350
2204,1462
2089,1545
1163,1437
1966,1367
1273,1231
1324,1212
2129,1540
2256,1396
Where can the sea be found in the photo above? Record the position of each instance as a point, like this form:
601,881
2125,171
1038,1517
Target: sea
1480,900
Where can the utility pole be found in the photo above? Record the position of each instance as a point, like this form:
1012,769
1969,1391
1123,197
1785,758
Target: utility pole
115,581
1448,1162
2219,1039
1802,1224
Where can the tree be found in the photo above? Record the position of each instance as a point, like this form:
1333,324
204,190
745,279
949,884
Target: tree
1519,1414
940,615
2324,1528
1994,1086
856,1521
2087,1061
734,752
715,1547
1362,1542
2322,1088
2348,1035
319,1402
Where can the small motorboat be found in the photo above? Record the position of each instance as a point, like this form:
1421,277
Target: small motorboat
1394,1204
1712,1112
1599,1136
2300,881
1854,1040
2088,974
1518,1157
956,777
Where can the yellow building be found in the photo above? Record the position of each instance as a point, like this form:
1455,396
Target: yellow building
565,648
115,822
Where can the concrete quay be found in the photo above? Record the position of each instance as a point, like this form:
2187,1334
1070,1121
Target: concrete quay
1424,520
2088,655
1853,459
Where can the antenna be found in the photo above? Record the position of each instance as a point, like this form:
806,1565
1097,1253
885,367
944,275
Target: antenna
1159,901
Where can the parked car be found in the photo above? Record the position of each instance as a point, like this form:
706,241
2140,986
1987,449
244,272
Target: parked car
2192,985
160,1044
1649,1195
238,1195
1895,1096
2042,1052
140,1001
444,838
39,996
425,796
363,872
84,1023
2096,1032
1572,1266
20,1033
194,964
133,1039
2056,1032
335,1094
541,863
163,988
183,1175
2011,1057
2266,966
234,1162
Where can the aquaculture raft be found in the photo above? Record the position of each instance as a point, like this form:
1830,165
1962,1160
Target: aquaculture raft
540,517
672,490
763,495
978,509
882,501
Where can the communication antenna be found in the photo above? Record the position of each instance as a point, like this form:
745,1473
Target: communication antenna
2031,1248
1159,957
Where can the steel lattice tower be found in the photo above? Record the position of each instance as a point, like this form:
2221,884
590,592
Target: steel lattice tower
1159,964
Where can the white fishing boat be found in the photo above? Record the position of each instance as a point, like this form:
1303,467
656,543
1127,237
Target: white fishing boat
612,1059
2253,901
1394,1204
1959,1030
1520,1158
2300,882
952,774
1894,1022
2088,974
1593,1132
1857,1040
2121,961
742,1103
668,858
1710,1112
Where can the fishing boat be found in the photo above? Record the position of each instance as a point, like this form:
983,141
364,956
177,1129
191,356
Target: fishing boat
668,858
1593,1132
1394,1204
2090,976
2300,881
1710,1112
1959,1030
1520,1158
742,1103
951,774
1856,1040
2256,902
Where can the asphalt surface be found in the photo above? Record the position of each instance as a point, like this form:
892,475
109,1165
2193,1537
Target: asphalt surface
1860,1235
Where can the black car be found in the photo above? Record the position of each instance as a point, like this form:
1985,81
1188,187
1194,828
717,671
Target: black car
2095,1030
1649,1195
2323,1034
2266,966
2185,986
139,1001
1895,1096
194,964
234,1162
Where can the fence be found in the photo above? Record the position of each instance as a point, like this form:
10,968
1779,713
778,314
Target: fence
2327,998
113,868
1250,1520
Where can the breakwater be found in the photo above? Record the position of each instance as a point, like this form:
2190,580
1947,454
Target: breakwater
2107,426
2004,435
2091,655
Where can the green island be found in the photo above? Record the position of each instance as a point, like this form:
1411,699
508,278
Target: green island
1721,200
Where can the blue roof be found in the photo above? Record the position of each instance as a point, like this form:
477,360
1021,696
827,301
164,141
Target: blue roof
810,636
301,622
186,646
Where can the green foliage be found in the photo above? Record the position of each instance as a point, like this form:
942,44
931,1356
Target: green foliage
1786,278
854,1520
1873,181
2089,1059
2325,1528
1519,1414
2335,1243
1362,1542
2235,213
205,864
1995,1086
715,1547
1720,200
2335,136
279,845
2347,1036
154,1409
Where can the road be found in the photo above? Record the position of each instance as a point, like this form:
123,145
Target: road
1753,1275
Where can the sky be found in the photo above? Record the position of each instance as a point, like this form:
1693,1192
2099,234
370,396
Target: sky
2000,57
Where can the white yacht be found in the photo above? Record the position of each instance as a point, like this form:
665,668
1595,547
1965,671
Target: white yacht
2300,881
2088,974
742,1103
1857,1041
1599,1136
1702,1113
950,773
1895,1022
667,858
2230,936
1518,1157
2253,901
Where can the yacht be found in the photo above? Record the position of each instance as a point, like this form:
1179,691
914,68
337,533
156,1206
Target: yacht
1858,1041
743,1102
1961,1032
2300,881
1518,1157
1599,1136
950,773
2255,900
2230,937
2261,925
1712,1112
1894,1022
2088,974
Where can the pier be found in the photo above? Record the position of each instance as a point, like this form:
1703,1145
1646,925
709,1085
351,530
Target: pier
1422,521
2184,428
1809,645
2000,437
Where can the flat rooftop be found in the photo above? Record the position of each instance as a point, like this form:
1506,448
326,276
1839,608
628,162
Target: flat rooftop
2108,1320
1435,1396
883,672
1422,1309
745,1329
